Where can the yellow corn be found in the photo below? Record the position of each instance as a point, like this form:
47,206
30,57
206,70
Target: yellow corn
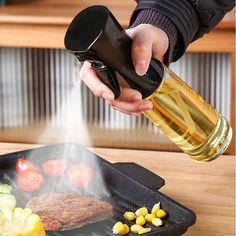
156,207
20,222
125,231
135,228
157,222
141,211
149,217
160,213
129,215
18,212
118,227
140,220
144,230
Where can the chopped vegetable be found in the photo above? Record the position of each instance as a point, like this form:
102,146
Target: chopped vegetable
140,220
160,213
29,181
142,216
135,228
7,201
54,167
156,207
126,230
5,188
120,228
149,217
129,215
144,230
23,165
141,211
79,175
157,222
20,222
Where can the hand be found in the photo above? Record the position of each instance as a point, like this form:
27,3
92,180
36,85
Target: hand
148,41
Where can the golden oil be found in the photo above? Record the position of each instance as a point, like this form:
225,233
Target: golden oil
189,121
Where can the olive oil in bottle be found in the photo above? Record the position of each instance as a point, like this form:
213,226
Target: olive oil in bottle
183,116
189,121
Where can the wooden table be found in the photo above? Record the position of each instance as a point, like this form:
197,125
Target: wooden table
208,189
43,24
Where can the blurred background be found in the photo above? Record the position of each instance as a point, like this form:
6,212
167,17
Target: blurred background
37,76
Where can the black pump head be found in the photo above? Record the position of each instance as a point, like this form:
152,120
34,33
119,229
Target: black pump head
96,36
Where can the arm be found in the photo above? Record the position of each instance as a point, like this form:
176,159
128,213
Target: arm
191,18
161,29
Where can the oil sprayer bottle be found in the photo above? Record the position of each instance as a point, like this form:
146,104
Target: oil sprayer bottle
182,115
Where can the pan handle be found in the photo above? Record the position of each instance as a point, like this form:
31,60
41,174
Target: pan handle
142,175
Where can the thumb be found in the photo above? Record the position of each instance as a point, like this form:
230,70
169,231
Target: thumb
141,54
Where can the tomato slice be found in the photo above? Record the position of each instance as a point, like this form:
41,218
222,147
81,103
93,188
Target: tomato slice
29,181
23,165
54,167
79,175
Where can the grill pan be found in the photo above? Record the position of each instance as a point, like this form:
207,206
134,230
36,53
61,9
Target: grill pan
129,186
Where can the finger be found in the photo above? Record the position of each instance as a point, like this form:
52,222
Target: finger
129,95
141,53
134,107
128,113
89,77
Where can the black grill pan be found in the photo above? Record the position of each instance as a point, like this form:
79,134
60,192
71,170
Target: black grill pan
129,186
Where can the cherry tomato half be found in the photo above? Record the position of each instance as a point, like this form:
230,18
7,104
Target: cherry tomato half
23,165
79,175
54,167
29,181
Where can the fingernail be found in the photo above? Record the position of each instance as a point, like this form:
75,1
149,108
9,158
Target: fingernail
108,96
145,106
140,67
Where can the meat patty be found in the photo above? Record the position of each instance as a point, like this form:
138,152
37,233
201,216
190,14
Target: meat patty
65,211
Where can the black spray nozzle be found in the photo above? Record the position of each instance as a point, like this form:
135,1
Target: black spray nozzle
96,36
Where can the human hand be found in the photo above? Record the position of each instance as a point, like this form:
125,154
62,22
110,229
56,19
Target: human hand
148,41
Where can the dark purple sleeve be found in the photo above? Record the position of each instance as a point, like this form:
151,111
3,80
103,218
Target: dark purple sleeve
153,17
184,21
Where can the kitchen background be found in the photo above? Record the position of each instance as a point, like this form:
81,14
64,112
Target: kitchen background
37,75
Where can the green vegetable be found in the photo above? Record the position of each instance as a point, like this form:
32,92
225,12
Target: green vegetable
5,188
7,201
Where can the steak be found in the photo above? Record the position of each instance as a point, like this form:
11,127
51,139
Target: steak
66,211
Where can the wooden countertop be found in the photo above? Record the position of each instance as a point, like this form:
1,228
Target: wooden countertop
207,189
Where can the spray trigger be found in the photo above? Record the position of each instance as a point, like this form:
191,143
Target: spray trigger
107,76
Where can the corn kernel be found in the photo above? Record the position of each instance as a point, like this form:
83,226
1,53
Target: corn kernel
17,212
149,217
25,214
2,219
144,230
8,214
140,220
156,207
118,227
33,219
129,215
125,231
141,211
160,213
135,228
157,222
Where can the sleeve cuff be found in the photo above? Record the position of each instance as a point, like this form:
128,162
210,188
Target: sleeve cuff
153,17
